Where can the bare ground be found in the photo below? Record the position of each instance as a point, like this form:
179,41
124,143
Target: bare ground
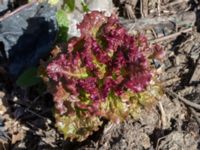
27,121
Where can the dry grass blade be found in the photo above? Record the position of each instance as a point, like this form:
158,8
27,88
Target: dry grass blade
187,102
171,36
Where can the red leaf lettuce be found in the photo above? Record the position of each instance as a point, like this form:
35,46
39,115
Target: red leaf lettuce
104,73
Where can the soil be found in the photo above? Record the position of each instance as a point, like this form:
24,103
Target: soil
27,122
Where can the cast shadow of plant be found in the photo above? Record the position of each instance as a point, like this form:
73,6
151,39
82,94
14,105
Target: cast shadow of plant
31,107
35,43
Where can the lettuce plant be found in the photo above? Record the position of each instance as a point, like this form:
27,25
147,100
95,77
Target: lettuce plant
103,74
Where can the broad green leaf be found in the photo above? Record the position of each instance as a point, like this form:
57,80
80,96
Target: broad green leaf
79,128
70,4
62,20
84,6
53,2
28,78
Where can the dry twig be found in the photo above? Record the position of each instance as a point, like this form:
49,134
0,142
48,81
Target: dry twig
163,116
158,142
173,3
144,8
187,102
196,115
159,7
171,36
181,19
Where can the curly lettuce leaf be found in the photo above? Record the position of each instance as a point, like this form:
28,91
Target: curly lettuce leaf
79,128
104,73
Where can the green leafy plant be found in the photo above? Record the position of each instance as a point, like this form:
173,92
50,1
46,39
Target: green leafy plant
28,78
70,4
62,16
63,24
84,6
103,74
